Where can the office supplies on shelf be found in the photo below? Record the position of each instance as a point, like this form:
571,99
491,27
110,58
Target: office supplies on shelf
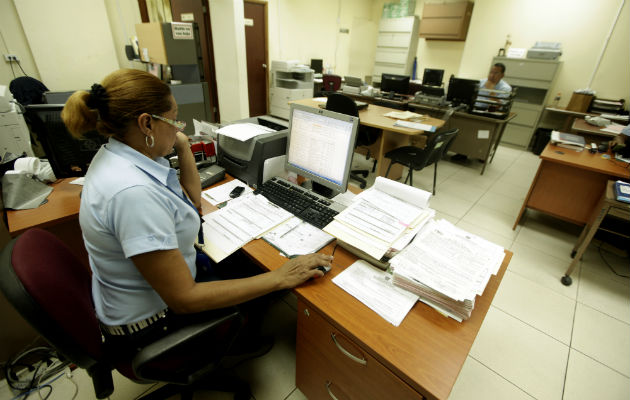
568,140
373,288
622,191
240,221
415,125
302,203
221,193
380,216
447,267
296,237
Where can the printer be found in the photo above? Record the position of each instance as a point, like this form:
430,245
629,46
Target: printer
545,50
246,160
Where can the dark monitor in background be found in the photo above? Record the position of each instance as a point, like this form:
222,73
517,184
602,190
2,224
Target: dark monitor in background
395,83
320,146
462,91
317,65
433,77
67,155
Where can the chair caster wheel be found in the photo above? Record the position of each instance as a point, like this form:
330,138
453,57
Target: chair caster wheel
362,185
566,280
573,253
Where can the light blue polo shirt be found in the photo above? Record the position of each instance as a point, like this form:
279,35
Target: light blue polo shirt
501,85
132,205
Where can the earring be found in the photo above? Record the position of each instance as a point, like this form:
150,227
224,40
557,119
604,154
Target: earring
146,140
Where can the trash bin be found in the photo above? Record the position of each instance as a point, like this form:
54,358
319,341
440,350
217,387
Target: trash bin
542,137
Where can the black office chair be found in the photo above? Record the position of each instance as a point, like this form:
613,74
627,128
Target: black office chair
50,288
416,158
366,135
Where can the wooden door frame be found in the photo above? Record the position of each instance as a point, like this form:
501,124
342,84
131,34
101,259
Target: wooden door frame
268,69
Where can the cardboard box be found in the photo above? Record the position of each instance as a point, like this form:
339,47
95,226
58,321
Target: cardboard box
579,102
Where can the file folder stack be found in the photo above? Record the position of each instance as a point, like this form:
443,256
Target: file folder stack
447,268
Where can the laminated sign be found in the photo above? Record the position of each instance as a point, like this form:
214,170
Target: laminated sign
182,30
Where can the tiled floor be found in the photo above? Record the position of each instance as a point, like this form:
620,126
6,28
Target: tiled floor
540,339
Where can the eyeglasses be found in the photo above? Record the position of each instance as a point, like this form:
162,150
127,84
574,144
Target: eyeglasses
180,125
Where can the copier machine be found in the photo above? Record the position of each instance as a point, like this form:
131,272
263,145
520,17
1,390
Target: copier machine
246,160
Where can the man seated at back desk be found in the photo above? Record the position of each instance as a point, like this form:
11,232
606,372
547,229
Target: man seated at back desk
493,85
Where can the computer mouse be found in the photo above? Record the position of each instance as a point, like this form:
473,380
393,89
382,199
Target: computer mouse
323,268
237,191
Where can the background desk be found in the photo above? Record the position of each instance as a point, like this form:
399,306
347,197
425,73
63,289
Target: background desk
591,132
569,184
392,136
478,136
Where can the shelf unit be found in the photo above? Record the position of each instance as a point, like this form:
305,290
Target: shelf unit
446,21
533,80
396,46
288,83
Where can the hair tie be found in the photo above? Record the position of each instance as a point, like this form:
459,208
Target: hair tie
98,98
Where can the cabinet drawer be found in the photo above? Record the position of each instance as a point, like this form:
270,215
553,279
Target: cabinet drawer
330,364
525,116
404,24
393,40
522,68
517,134
393,56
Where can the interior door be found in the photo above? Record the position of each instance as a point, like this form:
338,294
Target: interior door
198,11
256,48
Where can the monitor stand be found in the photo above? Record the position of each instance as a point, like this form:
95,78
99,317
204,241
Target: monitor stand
321,190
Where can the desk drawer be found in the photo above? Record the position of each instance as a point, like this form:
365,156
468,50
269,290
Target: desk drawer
324,371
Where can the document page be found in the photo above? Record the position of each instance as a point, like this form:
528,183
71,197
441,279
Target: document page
373,287
221,193
296,237
244,131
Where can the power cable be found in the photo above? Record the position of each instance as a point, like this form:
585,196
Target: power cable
20,65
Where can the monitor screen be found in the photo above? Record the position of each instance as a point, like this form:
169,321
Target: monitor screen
462,91
320,146
317,65
432,77
68,156
395,83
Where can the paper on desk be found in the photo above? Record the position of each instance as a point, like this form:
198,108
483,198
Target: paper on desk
229,228
415,125
401,191
21,192
321,99
78,181
221,193
203,128
296,237
373,287
613,128
402,114
244,131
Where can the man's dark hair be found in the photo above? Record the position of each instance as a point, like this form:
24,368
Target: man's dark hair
502,66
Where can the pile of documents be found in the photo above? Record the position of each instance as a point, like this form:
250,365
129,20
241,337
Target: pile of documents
568,140
382,220
447,268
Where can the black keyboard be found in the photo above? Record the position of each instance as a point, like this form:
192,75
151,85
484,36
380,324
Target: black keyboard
299,202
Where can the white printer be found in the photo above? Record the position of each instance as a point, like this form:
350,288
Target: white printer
14,135
545,50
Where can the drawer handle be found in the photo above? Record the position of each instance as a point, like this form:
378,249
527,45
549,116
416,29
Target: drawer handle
354,358
330,393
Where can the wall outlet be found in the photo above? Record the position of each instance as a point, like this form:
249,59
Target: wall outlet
11,57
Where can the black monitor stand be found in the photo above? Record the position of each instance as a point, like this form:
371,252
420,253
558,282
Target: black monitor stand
322,190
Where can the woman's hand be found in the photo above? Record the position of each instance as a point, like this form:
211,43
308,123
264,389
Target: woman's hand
182,142
300,269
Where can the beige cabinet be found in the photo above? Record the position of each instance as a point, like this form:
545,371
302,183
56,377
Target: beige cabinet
446,21
396,46
533,80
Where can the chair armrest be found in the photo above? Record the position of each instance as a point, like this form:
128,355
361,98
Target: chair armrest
193,350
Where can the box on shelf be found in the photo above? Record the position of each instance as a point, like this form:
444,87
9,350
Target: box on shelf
579,102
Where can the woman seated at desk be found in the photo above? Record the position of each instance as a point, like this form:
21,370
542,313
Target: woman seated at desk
139,221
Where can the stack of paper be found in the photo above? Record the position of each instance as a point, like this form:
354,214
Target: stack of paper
447,267
296,237
383,219
568,140
243,219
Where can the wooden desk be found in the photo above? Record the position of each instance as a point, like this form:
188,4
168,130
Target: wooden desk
568,184
478,136
393,137
581,126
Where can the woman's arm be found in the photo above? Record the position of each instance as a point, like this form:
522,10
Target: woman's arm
167,272
188,174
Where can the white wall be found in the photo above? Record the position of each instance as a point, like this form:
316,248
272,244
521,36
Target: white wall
13,41
228,39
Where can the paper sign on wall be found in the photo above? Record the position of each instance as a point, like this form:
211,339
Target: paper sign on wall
187,17
248,22
516,52
182,30
483,134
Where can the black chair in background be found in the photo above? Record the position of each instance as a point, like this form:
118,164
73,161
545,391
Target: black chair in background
365,137
416,158
332,83
50,288
68,156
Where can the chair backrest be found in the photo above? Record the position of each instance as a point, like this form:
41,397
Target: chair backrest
331,83
342,104
51,289
435,148
27,90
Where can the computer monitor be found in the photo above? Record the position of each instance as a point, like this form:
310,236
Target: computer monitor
462,91
395,83
320,146
317,65
68,156
433,77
